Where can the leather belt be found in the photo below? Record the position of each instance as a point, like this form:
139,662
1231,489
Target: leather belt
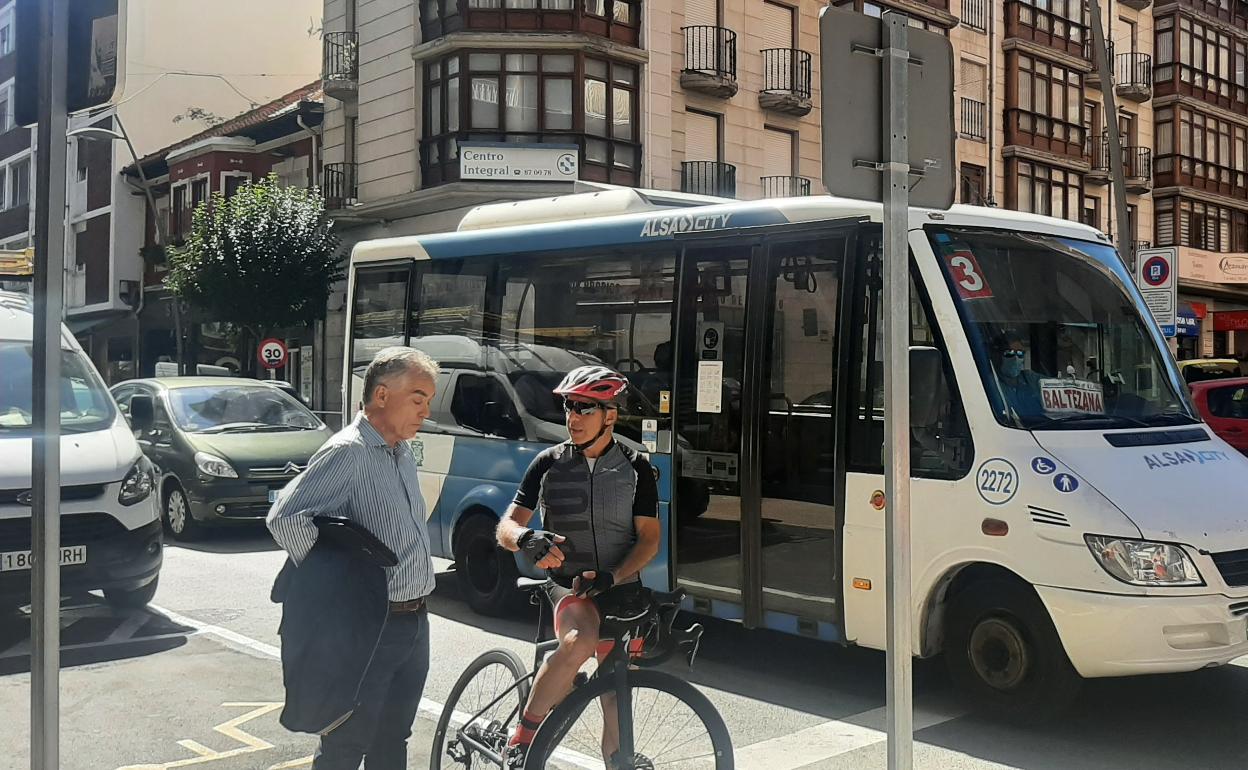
411,605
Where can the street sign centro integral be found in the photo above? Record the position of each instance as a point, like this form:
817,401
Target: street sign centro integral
272,353
852,88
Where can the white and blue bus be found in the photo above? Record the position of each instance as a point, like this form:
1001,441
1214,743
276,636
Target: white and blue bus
1072,517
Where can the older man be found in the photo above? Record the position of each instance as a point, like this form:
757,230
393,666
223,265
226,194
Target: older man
367,473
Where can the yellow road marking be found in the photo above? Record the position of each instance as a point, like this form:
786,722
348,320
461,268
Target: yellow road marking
230,729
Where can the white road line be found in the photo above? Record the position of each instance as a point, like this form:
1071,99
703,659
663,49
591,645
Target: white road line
233,637
427,706
833,738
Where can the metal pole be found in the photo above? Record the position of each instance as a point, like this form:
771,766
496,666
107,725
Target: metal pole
1101,56
49,285
896,80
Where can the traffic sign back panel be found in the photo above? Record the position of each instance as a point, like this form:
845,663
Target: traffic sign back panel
853,105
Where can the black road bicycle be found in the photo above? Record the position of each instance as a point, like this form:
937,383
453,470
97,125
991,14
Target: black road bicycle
663,721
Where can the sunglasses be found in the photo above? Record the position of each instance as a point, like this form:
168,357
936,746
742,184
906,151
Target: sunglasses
580,407
1015,354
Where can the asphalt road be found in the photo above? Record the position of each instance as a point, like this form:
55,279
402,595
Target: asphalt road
195,682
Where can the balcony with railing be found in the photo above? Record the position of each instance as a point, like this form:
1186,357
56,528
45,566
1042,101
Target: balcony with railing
1032,20
1199,174
975,15
617,20
708,177
1133,76
785,186
1200,83
786,81
1137,166
1093,78
710,61
340,65
974,123
1025,128
338,185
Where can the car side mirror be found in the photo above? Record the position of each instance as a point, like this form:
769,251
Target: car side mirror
142,413
927,386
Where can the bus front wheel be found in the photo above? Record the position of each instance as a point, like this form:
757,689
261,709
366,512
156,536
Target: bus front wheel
1004,654
486,573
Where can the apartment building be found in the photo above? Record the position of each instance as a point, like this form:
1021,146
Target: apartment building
720,97
185,67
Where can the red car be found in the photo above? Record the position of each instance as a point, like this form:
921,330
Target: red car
1224,405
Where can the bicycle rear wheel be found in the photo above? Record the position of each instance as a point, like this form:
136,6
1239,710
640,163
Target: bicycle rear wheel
675,727
472,711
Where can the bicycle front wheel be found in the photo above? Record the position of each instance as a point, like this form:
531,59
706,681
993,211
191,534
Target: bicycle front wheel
675,727
482,708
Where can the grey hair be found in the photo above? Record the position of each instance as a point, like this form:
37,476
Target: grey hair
393,361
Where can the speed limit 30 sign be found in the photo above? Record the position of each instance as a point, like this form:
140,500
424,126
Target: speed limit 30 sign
272,353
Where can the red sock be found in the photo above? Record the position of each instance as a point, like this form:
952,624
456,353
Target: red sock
523,736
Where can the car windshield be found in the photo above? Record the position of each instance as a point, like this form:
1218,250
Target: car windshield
238,409
1210,370
1057,332
85,404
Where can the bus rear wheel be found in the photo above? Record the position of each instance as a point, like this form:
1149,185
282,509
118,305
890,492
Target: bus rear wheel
1004,654
486,573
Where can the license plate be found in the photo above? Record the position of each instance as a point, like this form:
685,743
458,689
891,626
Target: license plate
14,561
273,495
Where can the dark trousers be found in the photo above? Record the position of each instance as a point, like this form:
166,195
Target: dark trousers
389,698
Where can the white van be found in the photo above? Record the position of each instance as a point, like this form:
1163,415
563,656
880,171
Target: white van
110,523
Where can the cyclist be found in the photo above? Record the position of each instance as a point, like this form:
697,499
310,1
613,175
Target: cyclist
602,499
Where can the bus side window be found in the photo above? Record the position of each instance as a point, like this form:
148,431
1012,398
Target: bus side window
938,450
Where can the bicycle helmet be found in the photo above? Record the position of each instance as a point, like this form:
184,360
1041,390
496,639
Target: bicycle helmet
596,382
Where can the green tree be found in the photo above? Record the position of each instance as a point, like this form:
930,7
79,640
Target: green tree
263,259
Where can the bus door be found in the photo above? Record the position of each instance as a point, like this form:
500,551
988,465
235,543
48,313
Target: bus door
755,406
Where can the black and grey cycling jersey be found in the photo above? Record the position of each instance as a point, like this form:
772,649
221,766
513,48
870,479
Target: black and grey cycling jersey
592,507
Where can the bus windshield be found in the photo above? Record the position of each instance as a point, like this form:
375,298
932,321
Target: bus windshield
1057,336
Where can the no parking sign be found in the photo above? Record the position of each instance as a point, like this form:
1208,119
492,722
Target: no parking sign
1155,275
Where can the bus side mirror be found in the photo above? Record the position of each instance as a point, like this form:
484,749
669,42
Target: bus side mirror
142,413
927,386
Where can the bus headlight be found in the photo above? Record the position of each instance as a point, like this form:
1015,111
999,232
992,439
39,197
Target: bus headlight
1143,562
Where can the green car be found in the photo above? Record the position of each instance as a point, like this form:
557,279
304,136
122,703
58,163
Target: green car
223,447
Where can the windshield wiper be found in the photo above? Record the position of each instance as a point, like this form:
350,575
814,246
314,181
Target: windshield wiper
1171,418
234,427
1090,417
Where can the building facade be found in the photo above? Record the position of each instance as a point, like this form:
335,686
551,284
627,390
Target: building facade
721,97
183,68
281,138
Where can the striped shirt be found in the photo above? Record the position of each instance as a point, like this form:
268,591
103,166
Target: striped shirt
357,475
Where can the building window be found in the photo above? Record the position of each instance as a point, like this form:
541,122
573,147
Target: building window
618,20
199,192
1207,62
1048,190
6,107
180,223
7,31
532,97
231,183
1049,101
1091,211
19,183
973,185
1199,225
